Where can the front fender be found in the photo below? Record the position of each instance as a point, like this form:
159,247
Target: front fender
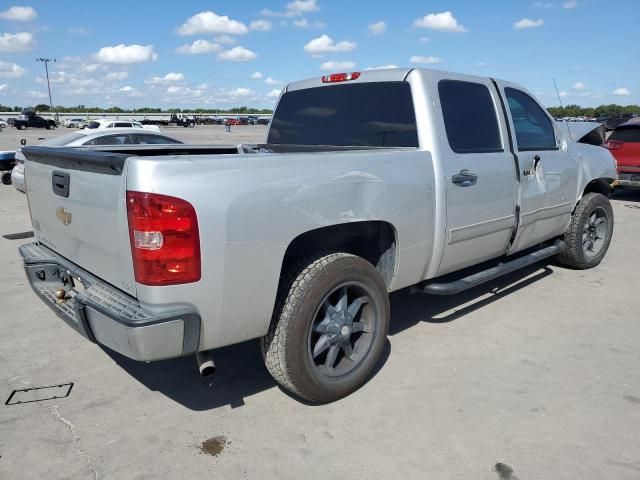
592,163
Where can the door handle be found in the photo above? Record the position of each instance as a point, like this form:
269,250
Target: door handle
536,161
465,178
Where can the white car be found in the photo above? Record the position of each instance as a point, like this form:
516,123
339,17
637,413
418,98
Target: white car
75,123
110,123
113,136
3,124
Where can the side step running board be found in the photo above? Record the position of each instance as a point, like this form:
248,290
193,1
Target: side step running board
503,268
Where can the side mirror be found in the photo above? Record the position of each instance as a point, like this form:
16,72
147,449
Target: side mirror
23,141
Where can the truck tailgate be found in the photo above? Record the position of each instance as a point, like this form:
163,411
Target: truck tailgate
78,209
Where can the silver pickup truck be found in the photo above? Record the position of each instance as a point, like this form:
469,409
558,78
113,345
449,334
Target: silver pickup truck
368,182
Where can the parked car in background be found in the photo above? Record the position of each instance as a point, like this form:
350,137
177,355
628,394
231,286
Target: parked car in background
86,137
618,119
369,182
74,123
32,120
110,123
233,121
263,121
624,144
3,124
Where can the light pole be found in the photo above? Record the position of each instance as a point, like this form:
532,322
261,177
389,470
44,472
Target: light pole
46,69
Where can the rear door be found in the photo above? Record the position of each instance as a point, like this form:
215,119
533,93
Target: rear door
481,181
548,173
624,143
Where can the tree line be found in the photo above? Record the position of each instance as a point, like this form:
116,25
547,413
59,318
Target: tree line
602,110
82,108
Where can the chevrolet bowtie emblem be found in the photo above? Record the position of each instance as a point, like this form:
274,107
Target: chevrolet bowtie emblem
63,216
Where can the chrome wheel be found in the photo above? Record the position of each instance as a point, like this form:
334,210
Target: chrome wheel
342,331
594,232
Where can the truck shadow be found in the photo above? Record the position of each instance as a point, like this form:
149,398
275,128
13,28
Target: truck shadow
627,194
241,372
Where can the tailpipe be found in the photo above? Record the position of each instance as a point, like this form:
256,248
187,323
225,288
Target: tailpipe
206,365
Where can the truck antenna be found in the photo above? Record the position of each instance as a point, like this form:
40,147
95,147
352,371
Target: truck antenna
562,107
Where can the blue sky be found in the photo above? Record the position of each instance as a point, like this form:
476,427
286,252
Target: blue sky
222,54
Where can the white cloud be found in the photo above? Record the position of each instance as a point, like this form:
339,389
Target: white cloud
82,31
168,78
425,60
622,91
481,64
424,39
198,47
563,94
333,65
579,86
443,22
127,54
325,44
3,87
382,67
114,76
224,40
377,28
296,8
274,93
16,42
570,4
256,75
260,25
174,89
272,81
36,94
542,4
304,23
126,89
11,70
19,14
241,92
528,23
237,54
210,22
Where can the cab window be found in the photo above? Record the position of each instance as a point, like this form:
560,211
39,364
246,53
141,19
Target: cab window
533,127
470,118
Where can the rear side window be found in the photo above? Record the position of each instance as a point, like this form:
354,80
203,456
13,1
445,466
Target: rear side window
121,139
148,139
121,125
626,134
364,114
532,126
469,117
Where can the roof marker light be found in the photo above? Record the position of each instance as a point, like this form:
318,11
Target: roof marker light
340,77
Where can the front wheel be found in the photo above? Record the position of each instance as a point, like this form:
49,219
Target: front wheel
589,233
329,327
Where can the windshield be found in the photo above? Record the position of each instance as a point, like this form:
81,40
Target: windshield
62,140
93,125
366,114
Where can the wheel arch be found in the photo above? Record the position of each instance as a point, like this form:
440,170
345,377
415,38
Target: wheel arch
374,240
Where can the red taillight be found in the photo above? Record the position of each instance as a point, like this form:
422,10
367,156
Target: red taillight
340,77
613,145
165,243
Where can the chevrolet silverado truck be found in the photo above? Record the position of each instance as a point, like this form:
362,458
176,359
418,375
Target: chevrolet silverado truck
367,183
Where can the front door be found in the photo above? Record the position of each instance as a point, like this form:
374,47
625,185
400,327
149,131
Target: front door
548,174
481,182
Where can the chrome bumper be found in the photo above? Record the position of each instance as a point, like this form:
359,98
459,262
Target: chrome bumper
106,315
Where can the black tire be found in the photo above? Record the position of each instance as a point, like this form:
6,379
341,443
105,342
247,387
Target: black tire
6,178
71,125
287,348
588,244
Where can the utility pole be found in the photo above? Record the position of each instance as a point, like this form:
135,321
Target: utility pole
46,69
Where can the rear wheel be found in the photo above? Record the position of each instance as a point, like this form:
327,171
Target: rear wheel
329,327
589,234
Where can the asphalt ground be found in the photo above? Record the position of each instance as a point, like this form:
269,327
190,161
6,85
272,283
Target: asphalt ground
532,376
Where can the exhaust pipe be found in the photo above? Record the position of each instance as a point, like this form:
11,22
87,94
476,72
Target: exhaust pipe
206,365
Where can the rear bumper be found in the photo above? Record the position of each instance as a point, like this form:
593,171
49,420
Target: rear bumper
106,315
627,180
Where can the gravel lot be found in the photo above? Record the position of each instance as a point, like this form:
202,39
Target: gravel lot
537,371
